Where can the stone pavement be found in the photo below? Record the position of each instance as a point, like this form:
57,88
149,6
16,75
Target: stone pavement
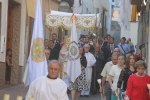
14,91
20,90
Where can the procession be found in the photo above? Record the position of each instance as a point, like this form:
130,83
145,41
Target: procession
81,60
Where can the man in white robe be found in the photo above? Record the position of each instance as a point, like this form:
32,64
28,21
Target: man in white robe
88,70
48,87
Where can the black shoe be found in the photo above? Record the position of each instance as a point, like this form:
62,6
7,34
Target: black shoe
93,93
81,96
86,95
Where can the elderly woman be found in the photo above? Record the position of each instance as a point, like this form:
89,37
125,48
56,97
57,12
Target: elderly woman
126,72
137,84
80,83
114,76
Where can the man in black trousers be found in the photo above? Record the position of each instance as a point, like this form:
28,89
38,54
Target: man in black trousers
97,68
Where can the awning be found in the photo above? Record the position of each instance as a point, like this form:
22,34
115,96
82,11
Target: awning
62,19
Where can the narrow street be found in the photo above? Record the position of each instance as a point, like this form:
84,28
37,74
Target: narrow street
20,90
83,42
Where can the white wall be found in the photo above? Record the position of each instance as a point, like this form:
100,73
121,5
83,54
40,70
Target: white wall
87,4
106,4
133,33
124,33
22,55
97,5
4,13
90,5
109,18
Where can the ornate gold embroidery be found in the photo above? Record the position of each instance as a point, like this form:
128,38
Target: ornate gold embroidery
55,21
67,42
38,50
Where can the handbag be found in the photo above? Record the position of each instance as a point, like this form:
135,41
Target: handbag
126,54
123,95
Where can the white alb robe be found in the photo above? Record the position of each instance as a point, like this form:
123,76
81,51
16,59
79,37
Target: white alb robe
63,57
88,70
44,88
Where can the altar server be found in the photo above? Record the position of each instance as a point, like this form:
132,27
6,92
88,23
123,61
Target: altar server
88,70
48,87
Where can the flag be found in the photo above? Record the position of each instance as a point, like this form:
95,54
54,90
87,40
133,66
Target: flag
73,68
37,64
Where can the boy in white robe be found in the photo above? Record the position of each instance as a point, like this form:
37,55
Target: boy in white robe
88,70
48,87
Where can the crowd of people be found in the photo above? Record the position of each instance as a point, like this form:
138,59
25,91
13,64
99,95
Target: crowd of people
120,67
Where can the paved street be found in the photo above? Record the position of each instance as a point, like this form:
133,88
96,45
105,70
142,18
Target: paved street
20,90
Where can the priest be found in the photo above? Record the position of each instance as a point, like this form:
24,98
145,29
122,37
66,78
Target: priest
48,87
88,70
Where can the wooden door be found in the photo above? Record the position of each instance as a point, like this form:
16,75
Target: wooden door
31,23
10,27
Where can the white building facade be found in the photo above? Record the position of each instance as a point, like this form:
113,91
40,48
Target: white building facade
129,29
97,6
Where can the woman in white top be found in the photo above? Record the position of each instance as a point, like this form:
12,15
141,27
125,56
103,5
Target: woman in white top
114,76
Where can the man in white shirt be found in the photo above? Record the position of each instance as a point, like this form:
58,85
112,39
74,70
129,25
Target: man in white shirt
48,87
88,70
105,75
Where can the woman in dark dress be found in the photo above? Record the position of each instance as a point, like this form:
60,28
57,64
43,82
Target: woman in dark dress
126,72
8,66
80,83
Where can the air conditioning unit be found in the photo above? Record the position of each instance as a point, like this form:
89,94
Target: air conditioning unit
136,2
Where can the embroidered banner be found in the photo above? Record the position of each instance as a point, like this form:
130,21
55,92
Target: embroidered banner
60,19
